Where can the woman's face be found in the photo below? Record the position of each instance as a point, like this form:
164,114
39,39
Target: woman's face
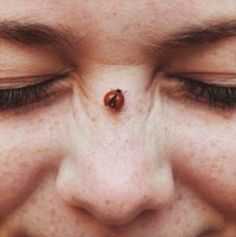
162,166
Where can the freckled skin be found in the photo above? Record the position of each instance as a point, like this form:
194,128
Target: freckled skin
161,167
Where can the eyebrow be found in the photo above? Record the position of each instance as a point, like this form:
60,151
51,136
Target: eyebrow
30,33
33,33
197,35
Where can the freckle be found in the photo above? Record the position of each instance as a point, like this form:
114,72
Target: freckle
127,27
177,222
53,213
94,119
34,201
179,197
145,197
149,2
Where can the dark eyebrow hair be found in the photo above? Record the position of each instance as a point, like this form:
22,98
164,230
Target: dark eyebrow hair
33,33
192,36
30,33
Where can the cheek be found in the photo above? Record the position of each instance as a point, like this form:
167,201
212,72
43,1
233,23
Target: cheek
18,176
28,150
204,156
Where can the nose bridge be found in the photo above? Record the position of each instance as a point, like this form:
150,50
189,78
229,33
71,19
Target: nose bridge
116,155
118,166
98,79
120,155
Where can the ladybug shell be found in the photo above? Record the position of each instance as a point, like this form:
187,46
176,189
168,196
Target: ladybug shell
114,99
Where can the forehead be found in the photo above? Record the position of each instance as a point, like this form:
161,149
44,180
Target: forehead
118,28
135,10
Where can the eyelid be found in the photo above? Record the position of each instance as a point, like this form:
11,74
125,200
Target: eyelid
212,79
26,81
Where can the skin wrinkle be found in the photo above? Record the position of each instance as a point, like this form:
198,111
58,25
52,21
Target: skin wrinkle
164,166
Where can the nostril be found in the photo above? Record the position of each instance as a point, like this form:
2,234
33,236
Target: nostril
117,209
111,214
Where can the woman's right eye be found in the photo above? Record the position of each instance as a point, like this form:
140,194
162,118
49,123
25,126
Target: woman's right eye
14,98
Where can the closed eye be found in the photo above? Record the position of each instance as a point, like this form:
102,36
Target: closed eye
14,98
195,90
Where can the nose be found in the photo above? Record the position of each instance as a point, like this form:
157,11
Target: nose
116,182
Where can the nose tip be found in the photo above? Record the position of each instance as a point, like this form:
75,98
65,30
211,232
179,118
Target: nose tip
117,210
115,195
120,205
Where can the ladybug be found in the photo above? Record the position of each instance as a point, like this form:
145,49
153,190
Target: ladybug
114,99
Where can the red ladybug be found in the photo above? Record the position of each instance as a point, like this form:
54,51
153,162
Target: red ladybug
114,99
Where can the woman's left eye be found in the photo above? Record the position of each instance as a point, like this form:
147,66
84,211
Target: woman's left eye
14,98
215,96
208,94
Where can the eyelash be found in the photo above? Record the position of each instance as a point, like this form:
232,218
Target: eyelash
22,97
211,95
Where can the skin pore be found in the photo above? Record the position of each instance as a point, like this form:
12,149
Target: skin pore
164,165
